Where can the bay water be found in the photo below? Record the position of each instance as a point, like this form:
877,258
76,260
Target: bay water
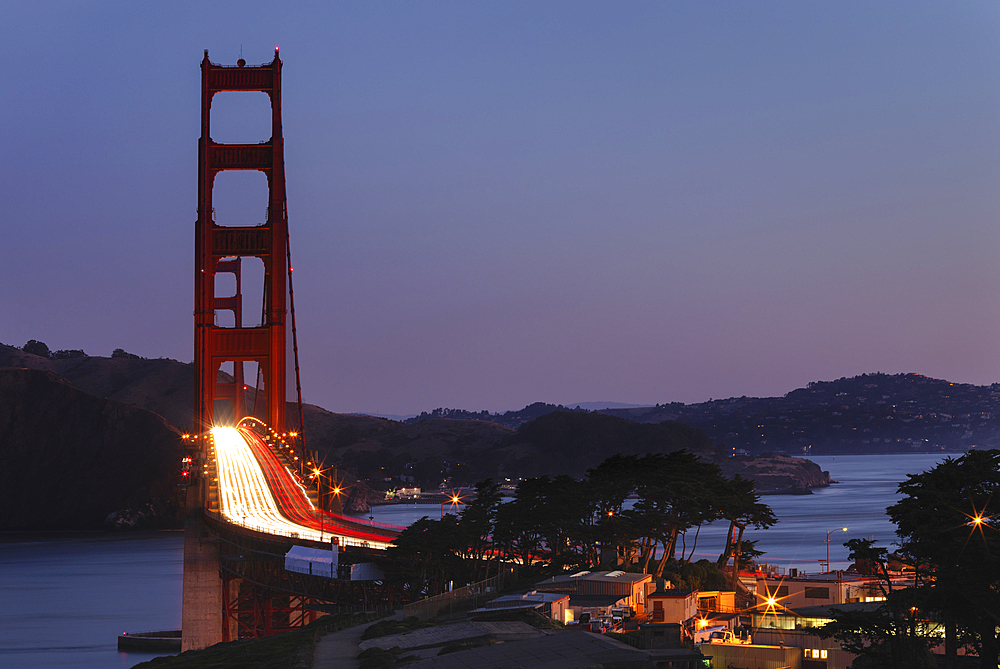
64,598
866,485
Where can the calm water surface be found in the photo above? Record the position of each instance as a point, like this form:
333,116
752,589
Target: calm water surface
866,486
65,598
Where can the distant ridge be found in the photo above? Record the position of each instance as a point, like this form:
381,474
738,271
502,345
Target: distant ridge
400,418
596,406
869,413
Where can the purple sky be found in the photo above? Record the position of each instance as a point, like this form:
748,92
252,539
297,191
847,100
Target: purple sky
496,205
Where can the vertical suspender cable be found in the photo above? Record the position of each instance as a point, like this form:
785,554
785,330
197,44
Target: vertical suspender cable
295,342
260,373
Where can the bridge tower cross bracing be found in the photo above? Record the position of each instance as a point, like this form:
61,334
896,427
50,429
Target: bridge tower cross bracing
220,249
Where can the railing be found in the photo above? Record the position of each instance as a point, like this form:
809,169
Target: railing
370,523
323,536
630,638
717,609
460,599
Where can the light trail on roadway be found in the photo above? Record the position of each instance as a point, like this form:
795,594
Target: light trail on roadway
247,496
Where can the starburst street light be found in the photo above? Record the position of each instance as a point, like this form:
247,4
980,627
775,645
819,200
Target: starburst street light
772,601
977,521
454,500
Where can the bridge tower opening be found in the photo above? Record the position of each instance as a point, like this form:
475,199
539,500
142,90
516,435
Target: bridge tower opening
220,250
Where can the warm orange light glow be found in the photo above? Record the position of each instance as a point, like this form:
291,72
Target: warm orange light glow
336,491
454,499
771,601
610,513
702,623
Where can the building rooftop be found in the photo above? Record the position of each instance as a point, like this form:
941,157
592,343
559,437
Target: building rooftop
595,600
672,592
532,599
824,611
606,576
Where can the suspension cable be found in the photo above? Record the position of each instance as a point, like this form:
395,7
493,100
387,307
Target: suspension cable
295,341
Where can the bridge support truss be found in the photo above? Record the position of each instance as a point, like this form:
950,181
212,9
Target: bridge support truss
262,598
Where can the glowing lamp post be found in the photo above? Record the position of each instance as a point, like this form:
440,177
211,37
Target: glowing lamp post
454,500
828,533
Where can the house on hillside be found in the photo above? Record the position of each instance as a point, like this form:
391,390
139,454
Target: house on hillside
798,590
550,604
628,588
672,606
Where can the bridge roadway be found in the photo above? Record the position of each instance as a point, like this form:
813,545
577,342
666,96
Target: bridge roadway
258,492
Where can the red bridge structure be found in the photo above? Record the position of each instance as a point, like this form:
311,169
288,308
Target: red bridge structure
248,501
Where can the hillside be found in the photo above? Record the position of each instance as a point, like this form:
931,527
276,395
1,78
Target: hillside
871,413
562,442
71,460
166,387
163,386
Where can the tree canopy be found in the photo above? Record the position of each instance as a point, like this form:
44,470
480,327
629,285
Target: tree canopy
949,540
555,523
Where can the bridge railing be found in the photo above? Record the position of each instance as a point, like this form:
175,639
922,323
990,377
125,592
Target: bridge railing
370,523
324,536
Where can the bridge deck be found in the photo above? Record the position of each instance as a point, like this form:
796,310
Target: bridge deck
258,492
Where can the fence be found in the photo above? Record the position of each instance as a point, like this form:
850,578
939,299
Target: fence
461,599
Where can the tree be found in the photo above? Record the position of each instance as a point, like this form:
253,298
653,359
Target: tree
893,634
64,354
948,533
426,555
613,481
610,484
948,538
740,504
519,528
36,347
677,491
478,523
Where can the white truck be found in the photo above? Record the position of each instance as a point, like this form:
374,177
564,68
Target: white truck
720,634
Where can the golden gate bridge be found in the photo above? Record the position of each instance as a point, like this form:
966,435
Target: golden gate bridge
247,504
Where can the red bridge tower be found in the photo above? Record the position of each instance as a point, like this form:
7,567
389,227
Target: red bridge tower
220,249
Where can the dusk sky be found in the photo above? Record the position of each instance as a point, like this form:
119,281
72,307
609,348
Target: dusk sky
497,204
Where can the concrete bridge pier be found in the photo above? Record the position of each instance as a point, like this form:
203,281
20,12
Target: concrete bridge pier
202,613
